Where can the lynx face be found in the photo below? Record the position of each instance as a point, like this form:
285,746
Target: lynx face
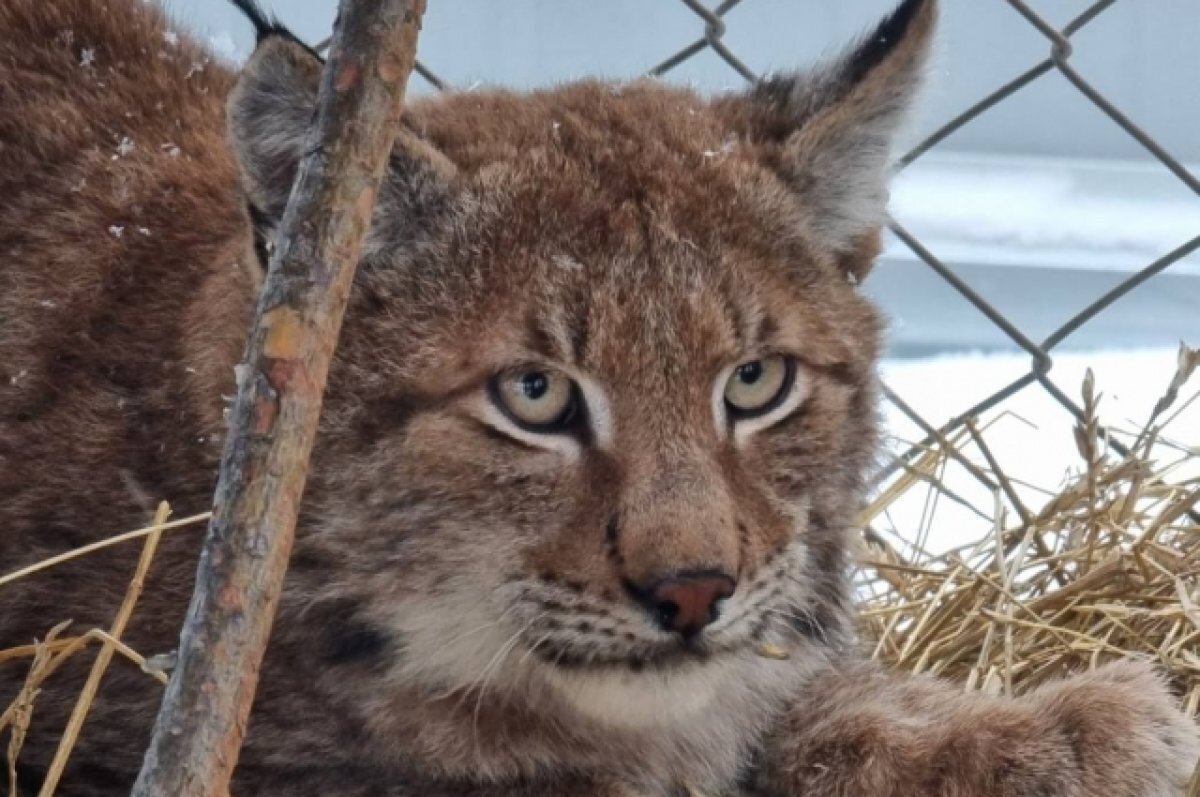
603,400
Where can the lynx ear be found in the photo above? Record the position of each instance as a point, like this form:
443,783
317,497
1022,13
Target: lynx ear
829,132
270,111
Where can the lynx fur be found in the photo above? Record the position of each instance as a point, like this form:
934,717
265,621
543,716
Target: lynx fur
481,604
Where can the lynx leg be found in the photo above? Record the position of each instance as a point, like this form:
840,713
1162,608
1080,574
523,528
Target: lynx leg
861,732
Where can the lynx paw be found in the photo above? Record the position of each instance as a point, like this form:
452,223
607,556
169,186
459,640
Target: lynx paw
1115,732
1127,735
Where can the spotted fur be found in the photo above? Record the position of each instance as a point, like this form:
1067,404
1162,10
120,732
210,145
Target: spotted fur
463,613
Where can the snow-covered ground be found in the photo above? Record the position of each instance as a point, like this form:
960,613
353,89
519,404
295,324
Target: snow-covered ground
1030,433
1039,239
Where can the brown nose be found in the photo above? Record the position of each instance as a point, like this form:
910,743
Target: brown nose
686,603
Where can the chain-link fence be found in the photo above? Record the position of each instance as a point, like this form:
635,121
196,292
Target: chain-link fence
712,27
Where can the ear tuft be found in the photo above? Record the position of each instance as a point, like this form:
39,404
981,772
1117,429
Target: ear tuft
829,132
873,49
266,25
270,111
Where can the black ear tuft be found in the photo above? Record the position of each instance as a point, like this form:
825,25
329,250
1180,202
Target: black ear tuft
873,49
269,114
268,25
830,131
264,25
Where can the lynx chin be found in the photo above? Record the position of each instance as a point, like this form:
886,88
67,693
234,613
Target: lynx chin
594,439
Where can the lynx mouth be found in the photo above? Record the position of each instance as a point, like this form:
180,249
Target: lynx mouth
572,632
658,655
665,657
658,688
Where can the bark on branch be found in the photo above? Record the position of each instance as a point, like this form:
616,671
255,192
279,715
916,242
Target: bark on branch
203,717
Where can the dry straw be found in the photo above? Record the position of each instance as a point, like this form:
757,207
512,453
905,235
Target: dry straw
1107,567
49,654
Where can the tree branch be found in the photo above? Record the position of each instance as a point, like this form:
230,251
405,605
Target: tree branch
203,717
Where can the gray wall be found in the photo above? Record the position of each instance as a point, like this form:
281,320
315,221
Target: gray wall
1144,54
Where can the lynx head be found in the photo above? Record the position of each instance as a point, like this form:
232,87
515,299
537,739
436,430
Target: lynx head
604,397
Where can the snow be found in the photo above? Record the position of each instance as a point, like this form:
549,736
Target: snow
125,148
1030,433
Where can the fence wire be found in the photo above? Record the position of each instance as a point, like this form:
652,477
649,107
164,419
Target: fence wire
712,30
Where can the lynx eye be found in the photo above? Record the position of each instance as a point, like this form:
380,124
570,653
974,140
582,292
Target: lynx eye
758,386
538,400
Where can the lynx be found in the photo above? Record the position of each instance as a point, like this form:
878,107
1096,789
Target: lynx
594,438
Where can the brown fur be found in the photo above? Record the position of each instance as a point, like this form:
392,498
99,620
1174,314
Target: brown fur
458,619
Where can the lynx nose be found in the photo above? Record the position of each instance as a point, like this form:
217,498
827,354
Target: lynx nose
687,603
